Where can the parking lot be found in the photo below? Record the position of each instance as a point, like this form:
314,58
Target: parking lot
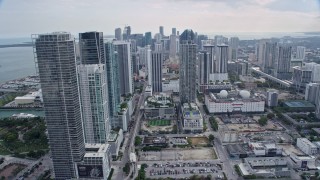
184,169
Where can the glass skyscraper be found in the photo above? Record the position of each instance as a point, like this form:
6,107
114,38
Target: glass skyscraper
55,56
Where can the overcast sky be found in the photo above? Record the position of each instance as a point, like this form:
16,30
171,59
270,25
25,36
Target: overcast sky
20,18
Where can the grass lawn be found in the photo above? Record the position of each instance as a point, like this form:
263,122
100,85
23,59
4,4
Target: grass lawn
159,122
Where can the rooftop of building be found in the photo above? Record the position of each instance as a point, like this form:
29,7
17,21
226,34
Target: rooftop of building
307,142
266,161
235,95
96,150
191,111
298,104
160,100
113,136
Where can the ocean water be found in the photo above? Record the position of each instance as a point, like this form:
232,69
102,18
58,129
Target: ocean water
16,62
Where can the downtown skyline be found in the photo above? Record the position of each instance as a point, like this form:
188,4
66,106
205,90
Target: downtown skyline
205,17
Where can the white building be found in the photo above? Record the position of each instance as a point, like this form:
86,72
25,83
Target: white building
306,146
301,52
191,118
170,85
272,98
93,86
96,162
311,92
234,102
304,162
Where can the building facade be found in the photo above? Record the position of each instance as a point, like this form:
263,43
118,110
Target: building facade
125,66
55,57
155,72
91,48
272,98
306,146
188,57
94,102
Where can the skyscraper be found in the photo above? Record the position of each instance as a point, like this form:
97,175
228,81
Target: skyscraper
221,59
233,48
188,53
58,78
212,62
284,62
174,31
91,48
269,59
118,34
161,31
301,52
148,38
174,45
113,83
204,67
125,66
94,103
155,74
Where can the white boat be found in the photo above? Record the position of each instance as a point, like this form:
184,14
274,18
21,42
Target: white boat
23,115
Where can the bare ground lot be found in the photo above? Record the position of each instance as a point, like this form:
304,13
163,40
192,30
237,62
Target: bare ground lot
11,170
196,141
179,154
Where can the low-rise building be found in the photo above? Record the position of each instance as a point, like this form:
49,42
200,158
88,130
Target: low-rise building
191,118
265,149
303,162
306,146
265,167
155,141
170,85
95,163
115,140
234,101
159,106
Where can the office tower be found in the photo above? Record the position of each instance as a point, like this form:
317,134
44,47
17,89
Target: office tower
204,67
272,98
301,52
301,76
126,32
135,63
212,62
311,93
233,48
222,59
207,42
174,31
161,31
220,40
284,61
94,102
113,82
261,51
174,45
91,48
148,38
188,53
125,66
158,37
269,58
201,38
138,38
144,55
158,47
118,34
318,103
155,71
55,56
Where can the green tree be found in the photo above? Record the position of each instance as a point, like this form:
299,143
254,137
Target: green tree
211,137
10,136
263,121
137,141
270,115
